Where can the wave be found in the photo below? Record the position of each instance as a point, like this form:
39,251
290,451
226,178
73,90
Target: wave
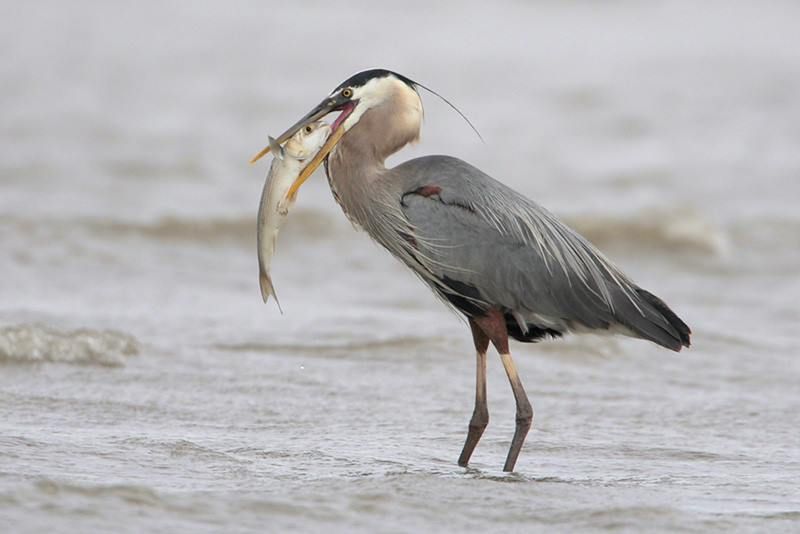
768,233
669,231
175,229
33,343
131,493
237,230
390,343
179,448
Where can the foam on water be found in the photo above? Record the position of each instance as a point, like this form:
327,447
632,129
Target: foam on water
35,343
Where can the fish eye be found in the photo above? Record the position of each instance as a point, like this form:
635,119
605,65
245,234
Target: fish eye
308,129
347,93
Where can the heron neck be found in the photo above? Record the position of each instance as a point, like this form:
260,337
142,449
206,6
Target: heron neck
352,169
358,161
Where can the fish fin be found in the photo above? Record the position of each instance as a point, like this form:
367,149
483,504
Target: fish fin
283,205
268,289
275,148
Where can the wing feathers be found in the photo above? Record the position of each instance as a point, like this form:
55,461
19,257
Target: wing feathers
521,258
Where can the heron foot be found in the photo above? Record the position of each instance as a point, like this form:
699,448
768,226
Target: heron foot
476,428
520,432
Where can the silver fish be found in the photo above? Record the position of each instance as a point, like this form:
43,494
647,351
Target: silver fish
289,161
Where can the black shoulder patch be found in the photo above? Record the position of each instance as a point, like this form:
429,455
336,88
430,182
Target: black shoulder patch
464,297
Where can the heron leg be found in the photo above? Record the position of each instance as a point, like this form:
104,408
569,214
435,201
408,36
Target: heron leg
480,415
524,411
493,325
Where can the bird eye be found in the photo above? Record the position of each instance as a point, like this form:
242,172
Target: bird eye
347,93
307,129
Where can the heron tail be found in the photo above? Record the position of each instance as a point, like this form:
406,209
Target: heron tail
655,321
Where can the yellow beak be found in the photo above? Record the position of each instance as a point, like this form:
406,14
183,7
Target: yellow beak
323,108
260,155
329,105
315,162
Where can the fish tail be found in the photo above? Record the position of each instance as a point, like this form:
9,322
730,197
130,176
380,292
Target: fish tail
268,289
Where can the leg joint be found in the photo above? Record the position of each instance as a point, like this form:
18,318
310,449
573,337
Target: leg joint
524,420
525,413
480,418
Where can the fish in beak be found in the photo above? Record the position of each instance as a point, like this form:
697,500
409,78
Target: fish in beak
336,102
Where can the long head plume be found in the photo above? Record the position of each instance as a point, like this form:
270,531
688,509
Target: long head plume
415,84
431,91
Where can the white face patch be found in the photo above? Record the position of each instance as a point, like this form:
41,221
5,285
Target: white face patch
379,90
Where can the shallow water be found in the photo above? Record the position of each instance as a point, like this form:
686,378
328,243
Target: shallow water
145,386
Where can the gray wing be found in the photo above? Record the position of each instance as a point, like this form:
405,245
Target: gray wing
489,246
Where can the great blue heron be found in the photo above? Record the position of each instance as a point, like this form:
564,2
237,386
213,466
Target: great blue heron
510,266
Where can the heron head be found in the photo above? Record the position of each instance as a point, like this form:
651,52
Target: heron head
353,98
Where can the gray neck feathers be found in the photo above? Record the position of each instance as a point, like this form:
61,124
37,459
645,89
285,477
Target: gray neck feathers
367,191
358,177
